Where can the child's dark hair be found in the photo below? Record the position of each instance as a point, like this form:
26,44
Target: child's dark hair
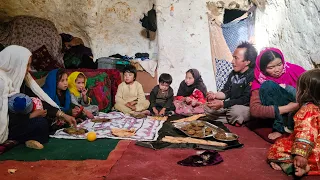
165,78
308,86
131,69
60,73
266,58
81,76
250,54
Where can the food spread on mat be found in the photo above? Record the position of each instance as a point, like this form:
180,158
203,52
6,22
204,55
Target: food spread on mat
123,132
98,120
197,129
75,131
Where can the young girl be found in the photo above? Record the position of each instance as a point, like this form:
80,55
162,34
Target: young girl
56,86
191,94
130,98
76,83
300,152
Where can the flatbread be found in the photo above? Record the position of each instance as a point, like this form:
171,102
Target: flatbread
75,131
191,118
158,118
123,132
98,120
179,140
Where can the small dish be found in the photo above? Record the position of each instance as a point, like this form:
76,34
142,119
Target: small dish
223,136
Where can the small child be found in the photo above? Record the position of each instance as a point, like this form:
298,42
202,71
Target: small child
299,153
191,94
161,97
56,86
76,84
23,104
130,98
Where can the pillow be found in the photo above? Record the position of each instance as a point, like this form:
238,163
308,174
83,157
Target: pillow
223,70
43,61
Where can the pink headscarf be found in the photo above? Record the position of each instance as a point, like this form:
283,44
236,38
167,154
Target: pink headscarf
290,74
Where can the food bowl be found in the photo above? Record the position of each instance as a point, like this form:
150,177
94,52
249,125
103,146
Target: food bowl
223,136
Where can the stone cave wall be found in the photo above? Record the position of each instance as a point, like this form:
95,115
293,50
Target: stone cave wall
292,26
108,26
182,40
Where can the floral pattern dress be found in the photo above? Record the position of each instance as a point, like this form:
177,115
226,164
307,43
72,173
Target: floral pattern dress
304,141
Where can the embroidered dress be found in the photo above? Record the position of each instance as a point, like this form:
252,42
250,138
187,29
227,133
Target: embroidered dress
304,141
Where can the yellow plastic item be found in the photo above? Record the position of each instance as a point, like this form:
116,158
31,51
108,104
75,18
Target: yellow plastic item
91,136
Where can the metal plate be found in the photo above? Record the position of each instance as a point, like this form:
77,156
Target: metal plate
214,128
229,137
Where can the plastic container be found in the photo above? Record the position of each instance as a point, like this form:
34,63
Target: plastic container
107,63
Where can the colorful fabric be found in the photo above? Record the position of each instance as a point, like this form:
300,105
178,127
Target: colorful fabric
290,74
98,84
223,70
146,129
113,76
50,87
43,61
32,33
304,141
207,158
185,90
236,32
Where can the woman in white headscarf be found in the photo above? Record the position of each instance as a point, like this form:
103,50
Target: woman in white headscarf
14,78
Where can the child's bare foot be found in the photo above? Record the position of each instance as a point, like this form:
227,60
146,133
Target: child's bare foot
275,166
302,171
274,135
34,144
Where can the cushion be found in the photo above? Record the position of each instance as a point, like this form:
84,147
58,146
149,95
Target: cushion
223,70
42,60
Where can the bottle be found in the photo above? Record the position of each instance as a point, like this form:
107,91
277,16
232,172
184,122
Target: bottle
171,10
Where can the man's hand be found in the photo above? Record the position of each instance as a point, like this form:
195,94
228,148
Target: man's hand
155,111
215,104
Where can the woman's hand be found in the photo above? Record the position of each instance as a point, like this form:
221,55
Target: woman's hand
300,161
71,120
211,95
293,106
283,86
38,113
188,100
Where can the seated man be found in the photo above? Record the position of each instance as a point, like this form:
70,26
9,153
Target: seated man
232,103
